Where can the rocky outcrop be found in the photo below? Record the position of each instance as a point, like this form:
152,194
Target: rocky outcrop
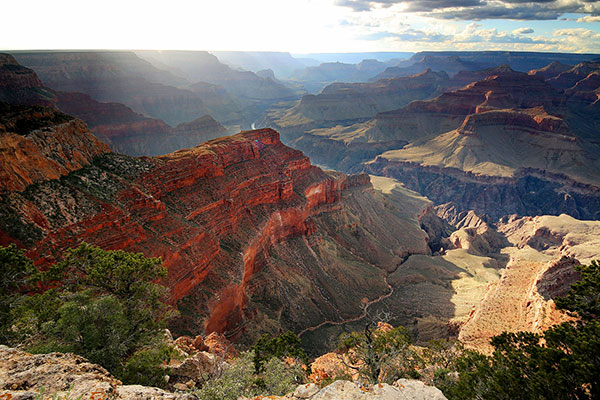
133,134
551,70
39,144
402,389
20,85
27,376
247,228
450,65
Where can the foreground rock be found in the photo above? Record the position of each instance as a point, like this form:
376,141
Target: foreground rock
25,376
402,389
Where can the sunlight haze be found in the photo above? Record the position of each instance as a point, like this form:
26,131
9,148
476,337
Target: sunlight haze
302,26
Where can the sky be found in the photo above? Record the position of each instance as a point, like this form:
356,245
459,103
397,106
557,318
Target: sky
303,26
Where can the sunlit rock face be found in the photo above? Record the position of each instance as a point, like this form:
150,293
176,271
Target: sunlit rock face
39,144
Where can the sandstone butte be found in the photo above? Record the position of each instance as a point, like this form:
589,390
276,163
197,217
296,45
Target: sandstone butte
250,231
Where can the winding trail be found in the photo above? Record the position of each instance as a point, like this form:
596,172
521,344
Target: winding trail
366,308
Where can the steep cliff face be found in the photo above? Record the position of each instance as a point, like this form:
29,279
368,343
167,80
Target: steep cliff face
505,90
39,144
570,77
116,124
457,146
252,234
328,126
20,85
528,192
499,142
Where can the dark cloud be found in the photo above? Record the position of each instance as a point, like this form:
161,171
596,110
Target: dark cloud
472,34
429,5
484,9
521,11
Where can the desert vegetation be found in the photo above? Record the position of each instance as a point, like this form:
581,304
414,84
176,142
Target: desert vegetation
107,307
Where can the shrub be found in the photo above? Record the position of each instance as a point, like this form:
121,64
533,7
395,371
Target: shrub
280,378
237,380
104,306
284,345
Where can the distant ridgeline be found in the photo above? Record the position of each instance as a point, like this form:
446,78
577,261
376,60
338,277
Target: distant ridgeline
493,140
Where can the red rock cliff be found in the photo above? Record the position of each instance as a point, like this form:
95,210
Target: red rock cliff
250,231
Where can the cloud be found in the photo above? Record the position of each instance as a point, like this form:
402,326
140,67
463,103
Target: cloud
577,32
431,5
484,9
470,35
589,18
522,31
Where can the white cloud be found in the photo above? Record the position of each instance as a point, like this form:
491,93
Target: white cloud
589,18
522,31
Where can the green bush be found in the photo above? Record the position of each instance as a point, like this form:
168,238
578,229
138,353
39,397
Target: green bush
381,356
284,345
15,270
104,306
144,366
237,380
280,379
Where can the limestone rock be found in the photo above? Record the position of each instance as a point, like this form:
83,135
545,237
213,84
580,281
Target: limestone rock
414,389
403,389
24,376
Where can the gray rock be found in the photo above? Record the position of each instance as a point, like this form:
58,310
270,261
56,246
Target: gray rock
305,391
413,389
403,389
23,375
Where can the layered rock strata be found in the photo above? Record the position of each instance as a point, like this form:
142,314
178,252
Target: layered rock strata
252,234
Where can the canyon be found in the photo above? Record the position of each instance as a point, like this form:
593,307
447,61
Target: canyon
254,237
460,204
507,142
